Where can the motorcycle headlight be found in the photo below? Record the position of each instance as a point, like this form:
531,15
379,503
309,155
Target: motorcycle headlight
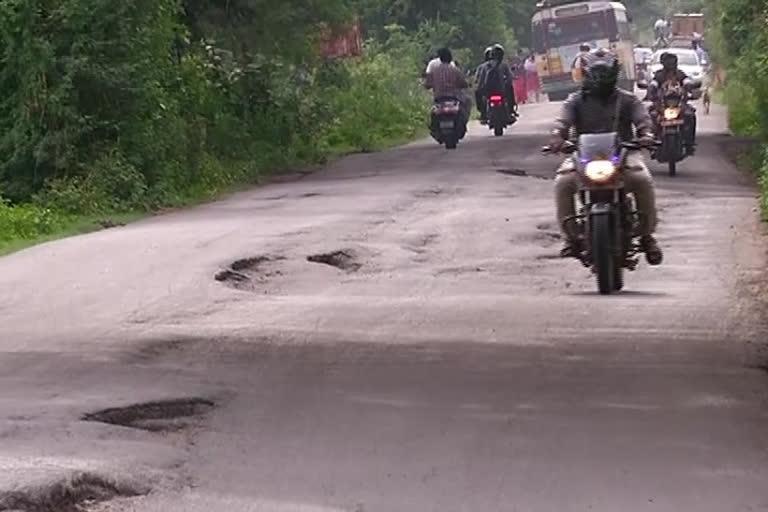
600,171
671,113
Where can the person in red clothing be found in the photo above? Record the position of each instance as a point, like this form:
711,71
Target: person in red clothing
532,78
521,91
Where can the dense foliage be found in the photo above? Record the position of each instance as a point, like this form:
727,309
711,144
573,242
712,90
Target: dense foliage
118,106
122,106
741,41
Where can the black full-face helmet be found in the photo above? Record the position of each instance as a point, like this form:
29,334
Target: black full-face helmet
669,61
497,52
601,73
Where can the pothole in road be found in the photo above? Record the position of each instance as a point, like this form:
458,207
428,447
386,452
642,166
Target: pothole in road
73,494
344,260
421,243
521,173
548,257
163,416
456,271
545,236
431,192
241,273
109,223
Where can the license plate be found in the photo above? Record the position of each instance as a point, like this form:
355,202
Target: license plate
446,124
675,122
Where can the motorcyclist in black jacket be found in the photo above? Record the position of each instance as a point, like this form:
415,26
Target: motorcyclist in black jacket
670,73
593,110
480,98
498,78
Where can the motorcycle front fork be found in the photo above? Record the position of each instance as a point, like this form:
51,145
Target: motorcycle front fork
631,222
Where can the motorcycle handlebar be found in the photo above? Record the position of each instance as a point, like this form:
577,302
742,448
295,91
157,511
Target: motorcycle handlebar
569,147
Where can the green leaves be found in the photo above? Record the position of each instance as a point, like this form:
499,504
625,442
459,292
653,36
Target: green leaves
76,76
472,26
110,106
741,34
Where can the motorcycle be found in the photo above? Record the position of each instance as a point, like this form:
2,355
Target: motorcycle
447,125
641,70
607,224
499,116
669,118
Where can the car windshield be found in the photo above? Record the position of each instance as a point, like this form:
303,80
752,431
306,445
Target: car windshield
597,145
683,58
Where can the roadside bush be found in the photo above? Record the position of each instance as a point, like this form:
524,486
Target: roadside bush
741,35
81,78
111,184
26,221
382,102
122,106
743,116
763,183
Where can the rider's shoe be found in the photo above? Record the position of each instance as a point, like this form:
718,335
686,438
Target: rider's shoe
653,254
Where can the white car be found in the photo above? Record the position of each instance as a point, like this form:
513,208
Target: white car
687,62
643,55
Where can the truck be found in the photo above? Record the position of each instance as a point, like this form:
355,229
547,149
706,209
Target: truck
685,28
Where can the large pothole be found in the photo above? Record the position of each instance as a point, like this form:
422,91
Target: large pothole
73,494
162,416
547,235
246,273
344,260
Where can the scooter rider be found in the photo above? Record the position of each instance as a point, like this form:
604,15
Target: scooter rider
593,109
447,80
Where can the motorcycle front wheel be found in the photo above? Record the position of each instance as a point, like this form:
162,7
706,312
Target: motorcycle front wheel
672,150
603,260
618,277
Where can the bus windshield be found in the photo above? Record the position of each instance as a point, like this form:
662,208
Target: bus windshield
574,30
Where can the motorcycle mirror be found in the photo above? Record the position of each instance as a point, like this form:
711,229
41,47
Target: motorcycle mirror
642,84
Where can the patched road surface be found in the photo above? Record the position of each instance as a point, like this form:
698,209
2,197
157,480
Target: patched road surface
393,333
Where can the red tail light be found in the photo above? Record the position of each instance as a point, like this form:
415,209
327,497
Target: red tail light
496,99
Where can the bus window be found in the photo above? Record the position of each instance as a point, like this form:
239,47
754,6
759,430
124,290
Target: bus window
576,30
619,18
539,41
625,32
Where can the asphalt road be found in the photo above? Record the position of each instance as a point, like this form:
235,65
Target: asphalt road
452,363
